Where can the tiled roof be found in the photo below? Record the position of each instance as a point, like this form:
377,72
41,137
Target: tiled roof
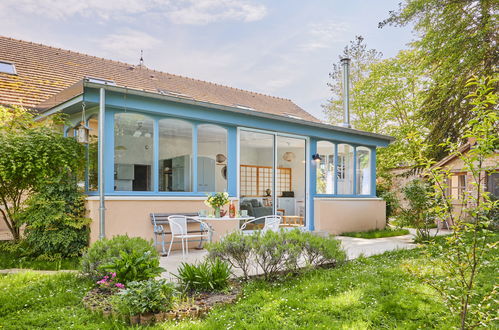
44,71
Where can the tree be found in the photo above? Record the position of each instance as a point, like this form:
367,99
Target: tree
458,40
388,101
362,58
32,155
463,254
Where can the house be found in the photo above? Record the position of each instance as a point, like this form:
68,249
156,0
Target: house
159,142
461,181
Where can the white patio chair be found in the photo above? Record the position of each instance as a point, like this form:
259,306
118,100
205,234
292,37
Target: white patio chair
178,228
272,222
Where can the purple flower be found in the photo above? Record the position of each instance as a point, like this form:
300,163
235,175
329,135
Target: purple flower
113,275
119,285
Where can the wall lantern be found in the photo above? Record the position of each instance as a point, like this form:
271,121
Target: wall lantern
316,157
82,132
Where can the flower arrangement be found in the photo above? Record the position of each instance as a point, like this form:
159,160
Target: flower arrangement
109,282
216,201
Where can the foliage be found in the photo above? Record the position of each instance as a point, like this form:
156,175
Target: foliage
318,250
106,251
275,252
32,155
235,249
420,212
55,220
383,190
218,199
149,296
378,233
375,292
15,255
456,41
133,266
207,276
362,58
464,256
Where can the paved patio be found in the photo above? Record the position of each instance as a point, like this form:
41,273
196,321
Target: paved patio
354,247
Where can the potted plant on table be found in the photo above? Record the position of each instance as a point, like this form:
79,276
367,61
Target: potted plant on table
217,201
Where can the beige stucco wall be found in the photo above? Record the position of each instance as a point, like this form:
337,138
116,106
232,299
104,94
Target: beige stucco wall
341,215
131,215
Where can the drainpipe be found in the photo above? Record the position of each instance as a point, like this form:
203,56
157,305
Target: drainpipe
102,204
345,63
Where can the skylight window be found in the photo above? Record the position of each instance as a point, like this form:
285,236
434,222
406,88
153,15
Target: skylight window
244,107
7,67
171,93
293,116
101,81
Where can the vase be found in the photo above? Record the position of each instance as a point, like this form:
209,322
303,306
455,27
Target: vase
217,212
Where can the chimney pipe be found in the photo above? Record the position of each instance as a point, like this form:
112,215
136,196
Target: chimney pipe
345,63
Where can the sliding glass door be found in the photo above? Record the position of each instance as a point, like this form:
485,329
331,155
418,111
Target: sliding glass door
272,176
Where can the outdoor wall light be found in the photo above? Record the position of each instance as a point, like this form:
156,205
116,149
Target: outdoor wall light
82,132
316,157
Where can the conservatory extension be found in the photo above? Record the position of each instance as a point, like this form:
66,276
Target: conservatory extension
162,152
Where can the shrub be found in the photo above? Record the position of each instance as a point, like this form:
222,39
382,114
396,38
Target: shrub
419,214
133,266
149,296
55,221
208,276
105,251
319,250
235,249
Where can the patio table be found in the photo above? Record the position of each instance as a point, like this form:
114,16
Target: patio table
222,226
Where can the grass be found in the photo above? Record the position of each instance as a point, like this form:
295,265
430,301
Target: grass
375,292
378,233
11,257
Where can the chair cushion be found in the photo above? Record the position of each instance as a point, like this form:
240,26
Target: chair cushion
255,203
247,206
262,211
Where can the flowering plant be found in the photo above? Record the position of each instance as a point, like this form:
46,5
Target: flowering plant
110,282
217,200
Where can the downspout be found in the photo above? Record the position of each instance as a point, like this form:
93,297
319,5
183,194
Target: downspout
102,204
345,63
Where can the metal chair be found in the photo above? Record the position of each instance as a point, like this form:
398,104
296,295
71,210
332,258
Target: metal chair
178,228
272,222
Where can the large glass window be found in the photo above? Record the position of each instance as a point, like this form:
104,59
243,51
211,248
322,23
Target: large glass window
133,152
325,168
175,155
345,169
93,154
363,171
212,158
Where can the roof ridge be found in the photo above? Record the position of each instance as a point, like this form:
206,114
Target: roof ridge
146,68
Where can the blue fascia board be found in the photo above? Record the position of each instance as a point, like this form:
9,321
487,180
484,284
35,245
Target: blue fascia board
154,106
343,196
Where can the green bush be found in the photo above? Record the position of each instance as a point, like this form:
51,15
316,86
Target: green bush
106,251
133,266
274,252
235,249
207,276
55,221
149,296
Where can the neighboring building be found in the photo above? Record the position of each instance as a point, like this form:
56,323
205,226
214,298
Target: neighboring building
168,140
462,182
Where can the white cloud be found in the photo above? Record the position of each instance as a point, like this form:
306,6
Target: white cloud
194,12
127,43
200,12
323,35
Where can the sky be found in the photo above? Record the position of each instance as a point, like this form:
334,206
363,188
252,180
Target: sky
283,48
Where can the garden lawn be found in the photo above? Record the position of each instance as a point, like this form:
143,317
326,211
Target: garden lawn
374,292
378,233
